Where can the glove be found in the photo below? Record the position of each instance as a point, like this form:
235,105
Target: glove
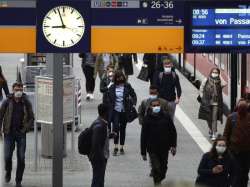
144,157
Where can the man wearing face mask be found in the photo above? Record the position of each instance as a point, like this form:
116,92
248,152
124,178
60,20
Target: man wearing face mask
158,137
169,84
145,104
16,117
106,82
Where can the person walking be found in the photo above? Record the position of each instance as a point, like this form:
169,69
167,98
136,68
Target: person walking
237,133
145,104
158,137
120,95
16,118
169,84
106,81
88,68
126,63
211,108
99,153
3,85
217,167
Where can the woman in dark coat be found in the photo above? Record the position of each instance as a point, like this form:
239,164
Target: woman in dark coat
3,85
211,108
121,97
217,167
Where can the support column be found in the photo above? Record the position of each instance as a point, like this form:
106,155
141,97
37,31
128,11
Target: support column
234,61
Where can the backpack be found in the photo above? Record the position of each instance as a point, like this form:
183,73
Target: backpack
85,140
161,76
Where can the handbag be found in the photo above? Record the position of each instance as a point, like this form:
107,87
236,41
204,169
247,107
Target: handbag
143,75
131,114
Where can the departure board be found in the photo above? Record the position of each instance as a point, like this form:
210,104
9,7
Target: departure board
218,27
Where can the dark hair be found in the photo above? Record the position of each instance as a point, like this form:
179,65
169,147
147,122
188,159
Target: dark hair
110,67
242,109
213,70
213,153
103,109
17,84
153,87
117,75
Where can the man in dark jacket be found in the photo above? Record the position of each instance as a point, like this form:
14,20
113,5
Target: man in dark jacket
100,146
16,117
145,104
168,83
158,137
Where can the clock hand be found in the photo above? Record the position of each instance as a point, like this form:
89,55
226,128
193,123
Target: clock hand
57,26
63,26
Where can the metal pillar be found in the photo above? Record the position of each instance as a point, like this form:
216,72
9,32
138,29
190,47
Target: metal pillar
194,66
55,68
234,61
243,74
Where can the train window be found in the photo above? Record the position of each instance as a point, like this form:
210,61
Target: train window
217,59
223,60
211,57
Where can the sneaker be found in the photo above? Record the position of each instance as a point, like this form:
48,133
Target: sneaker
7,177
18,184
91,96
213,138
115,152
122,151
88,97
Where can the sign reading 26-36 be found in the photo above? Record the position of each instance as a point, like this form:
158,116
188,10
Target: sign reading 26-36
63,27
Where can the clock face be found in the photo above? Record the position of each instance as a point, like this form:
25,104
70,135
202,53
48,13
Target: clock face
63,26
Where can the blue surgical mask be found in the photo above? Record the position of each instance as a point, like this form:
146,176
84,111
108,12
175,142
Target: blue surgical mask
156,109
153,96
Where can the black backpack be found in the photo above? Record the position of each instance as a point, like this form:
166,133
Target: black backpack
85,139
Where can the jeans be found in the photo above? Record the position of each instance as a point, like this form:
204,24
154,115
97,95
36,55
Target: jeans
9,147
90,79
159,164
172,106
99,168
119,126
212,124
243,161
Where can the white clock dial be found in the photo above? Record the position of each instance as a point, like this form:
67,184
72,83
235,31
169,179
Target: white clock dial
63,26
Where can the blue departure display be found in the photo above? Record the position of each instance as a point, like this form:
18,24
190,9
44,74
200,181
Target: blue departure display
223,28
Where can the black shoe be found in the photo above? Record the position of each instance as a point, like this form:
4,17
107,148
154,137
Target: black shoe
122,151
151,174
115,152
18,184
7,177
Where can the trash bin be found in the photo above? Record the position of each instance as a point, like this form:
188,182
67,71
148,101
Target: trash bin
47,140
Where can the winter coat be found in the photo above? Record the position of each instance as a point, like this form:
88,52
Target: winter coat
129,97
104,88
126,63
6,114
208,179
205,110
238,134
144,107
158,134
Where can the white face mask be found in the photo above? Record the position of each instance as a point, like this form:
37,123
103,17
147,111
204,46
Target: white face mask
111,74
156,109
153,96
214,75
220,149
18,94
167,69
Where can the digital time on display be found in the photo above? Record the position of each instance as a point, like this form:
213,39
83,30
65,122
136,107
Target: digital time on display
158,4
218,27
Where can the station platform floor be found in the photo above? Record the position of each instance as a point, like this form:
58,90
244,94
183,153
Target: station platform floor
128,170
